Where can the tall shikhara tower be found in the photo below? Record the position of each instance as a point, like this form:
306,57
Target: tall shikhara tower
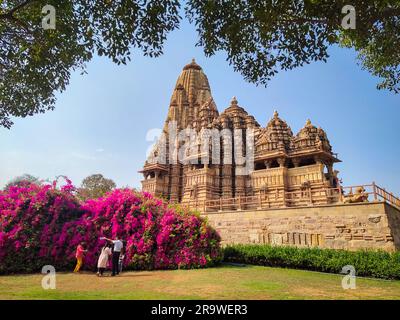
191,100
280,161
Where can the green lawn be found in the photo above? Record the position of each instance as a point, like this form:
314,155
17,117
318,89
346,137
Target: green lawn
225,282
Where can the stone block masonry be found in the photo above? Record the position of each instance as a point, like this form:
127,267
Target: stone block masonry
371,225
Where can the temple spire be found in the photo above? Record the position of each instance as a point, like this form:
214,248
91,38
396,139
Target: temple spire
191,92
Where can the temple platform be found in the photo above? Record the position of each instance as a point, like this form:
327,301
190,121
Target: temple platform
350,226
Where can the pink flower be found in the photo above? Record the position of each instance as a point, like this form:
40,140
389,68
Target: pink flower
45,224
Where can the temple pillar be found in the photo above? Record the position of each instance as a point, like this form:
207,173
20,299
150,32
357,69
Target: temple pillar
330,173
226,181
318,160
281,162
174,185
240,185
296,162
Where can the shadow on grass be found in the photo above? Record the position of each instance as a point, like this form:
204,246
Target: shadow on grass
234,264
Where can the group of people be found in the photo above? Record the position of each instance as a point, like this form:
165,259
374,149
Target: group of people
113,248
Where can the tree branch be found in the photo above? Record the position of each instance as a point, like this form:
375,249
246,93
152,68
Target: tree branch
18,22
301,20
9,14
18,7
390,12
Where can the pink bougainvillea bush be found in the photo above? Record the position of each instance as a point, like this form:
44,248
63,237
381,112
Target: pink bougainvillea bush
43,225
31,220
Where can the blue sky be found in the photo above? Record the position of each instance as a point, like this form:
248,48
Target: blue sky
101,120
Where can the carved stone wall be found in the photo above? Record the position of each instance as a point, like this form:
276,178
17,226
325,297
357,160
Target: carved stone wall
347,226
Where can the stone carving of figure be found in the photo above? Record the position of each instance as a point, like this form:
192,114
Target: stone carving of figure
305,188
318,143
193,192
359,196
281,146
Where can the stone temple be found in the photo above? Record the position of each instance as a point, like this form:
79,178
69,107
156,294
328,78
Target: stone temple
262,184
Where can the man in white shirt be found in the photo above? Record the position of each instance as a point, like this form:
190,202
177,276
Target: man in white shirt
118,245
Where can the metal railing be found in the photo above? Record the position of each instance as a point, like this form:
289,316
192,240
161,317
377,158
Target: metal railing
310,197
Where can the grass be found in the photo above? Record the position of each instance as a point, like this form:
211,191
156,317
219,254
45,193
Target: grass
225,282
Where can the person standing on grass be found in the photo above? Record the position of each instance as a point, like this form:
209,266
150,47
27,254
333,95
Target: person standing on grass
80,251
103,259
121,260
118,245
